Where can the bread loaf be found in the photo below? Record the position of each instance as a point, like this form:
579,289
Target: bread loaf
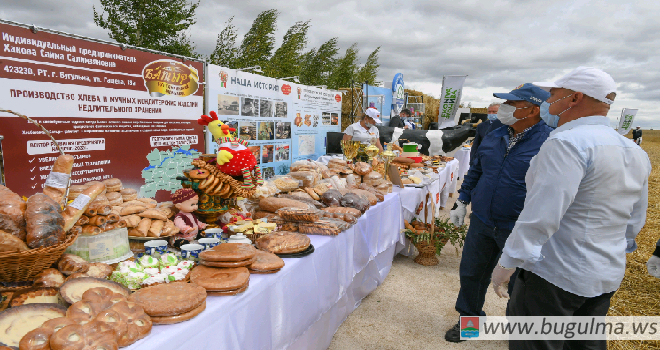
44,222
73,211
11,243
342,210
58,179
271,204
12,213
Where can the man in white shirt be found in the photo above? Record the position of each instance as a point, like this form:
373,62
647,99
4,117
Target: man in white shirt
587,194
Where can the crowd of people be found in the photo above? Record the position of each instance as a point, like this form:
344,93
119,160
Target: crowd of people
557,198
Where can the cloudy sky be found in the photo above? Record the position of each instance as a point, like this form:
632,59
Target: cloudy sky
498,44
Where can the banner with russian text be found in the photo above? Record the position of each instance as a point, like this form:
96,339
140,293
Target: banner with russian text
127,114
626,120
450,99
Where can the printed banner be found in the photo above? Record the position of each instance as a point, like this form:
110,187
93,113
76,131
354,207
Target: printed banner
452,86
127,114
626,120
398,94
282,121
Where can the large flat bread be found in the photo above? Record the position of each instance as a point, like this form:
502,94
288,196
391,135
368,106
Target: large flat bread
179,318
169,299
266,261
73,289
283,242
229,252
18,321
228,263
220,279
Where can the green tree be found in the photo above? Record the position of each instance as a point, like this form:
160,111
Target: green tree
369,71
287,58
257,46
226,52
345,69
153,24
317,64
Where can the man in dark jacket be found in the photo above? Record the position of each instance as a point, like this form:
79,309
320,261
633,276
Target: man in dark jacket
484,128
495,184
637,135
398,121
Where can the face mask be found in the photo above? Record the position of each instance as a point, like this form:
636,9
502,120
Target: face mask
492,117
369,125
505,114
551,119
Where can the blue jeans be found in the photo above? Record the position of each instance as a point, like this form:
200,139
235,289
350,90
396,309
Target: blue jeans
481,252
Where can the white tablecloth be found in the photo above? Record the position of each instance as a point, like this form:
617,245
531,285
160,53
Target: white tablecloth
450,180
301,306
463,157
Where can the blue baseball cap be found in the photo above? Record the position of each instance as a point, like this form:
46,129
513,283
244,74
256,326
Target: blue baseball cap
525,92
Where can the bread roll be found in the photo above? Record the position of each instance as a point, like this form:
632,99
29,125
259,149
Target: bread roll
91,230
120,224
109,227
12,213
131,220
90,212
44,222
97,220
112,218
58,179
74,211
84,220
101,209
76,230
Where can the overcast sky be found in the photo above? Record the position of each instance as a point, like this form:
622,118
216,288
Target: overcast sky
498,44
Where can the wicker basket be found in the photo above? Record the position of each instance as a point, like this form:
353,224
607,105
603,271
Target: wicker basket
23,266
426,254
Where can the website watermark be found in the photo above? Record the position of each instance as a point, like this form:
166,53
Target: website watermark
560,328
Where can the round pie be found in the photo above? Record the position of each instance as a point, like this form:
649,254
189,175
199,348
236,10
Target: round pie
179,318
229,252
228,263
169,299
72,290
18,321
220,279
265,261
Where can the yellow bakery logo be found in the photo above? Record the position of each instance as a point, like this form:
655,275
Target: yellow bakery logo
169,77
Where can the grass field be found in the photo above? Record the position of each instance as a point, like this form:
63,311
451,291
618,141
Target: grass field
639,294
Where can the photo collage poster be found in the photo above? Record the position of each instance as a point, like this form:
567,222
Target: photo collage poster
282,121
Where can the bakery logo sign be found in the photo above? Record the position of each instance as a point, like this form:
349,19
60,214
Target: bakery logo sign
169,77
286,89
223,78
338,97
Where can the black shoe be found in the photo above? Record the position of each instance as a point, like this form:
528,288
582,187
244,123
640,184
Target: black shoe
454,334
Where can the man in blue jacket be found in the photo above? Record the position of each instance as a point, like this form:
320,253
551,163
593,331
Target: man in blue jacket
495,185
484,128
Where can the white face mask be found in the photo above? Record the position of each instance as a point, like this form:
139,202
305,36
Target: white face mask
505,114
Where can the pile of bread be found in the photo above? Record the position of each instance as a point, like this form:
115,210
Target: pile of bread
145,217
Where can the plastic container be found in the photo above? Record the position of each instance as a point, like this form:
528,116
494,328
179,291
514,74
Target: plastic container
416,159
108,247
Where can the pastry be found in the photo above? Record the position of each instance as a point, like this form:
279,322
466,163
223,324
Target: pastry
179,318
265,261
75,275
11,243
101,199
132,209
91,230
114,198
128,194
143,227
75,210
58,179
156,228
227,263
48,278
90,336
18,321
112,218
74,191
39,296
170,299
229,252
131,220
72,290
223,279
97,220
44,222
271,204
38,339
154,214
138,323
149,202
99,270
70,263
112,185
282,242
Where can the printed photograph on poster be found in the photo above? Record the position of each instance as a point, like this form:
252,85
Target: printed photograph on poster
266,130
283,169
248,130
268,173
249,107
281,153
306,144
266,108
316,121
280,110
326,118
282,130
228,105
298,121
266,154
308,120
334,119
256,152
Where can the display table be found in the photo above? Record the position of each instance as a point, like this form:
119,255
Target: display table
302,306
463,157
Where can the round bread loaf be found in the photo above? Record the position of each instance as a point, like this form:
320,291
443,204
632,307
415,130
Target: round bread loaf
220,280
169,299
114,198
112,185
128,194
229,252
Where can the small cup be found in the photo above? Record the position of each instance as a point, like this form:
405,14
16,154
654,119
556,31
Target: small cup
213,233
209,243
191,251
155,247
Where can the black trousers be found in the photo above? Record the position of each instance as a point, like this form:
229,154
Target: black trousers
534,296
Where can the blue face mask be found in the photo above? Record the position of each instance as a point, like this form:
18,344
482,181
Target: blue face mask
551,119
492,117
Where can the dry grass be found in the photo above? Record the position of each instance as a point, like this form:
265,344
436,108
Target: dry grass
639,294
431,107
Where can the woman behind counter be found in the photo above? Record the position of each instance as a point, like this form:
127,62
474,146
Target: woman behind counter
365,129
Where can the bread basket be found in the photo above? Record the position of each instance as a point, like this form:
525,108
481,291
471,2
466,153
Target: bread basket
23,266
